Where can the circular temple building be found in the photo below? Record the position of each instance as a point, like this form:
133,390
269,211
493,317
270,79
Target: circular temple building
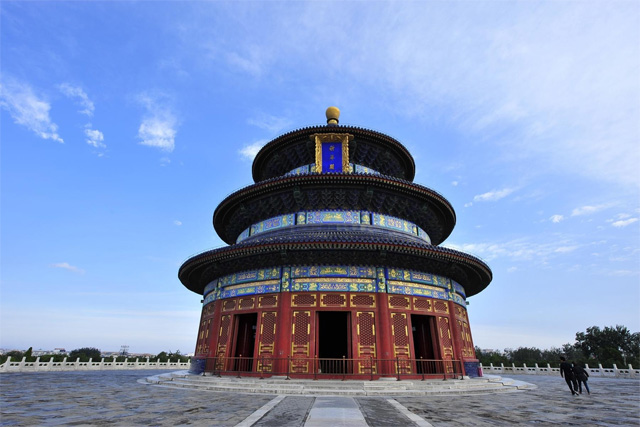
333,267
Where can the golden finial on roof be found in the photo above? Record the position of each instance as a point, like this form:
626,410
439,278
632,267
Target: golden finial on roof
333,113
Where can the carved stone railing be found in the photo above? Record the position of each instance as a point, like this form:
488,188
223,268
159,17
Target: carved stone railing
77,365
614,372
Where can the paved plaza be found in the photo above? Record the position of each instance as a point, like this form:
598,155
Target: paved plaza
117,398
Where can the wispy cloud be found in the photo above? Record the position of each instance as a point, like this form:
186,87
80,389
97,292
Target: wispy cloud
159,125
178,223
67,266
494,195
624,222
94,137
588,210
27,109
524,249
565,249
248,152
273,124
555,82
80,95
556,218
251,60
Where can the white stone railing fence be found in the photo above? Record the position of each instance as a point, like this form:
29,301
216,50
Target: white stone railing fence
77,365
548,370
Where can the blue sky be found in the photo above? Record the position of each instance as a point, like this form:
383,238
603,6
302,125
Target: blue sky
124,124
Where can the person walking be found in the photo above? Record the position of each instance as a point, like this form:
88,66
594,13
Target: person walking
566,371
581,376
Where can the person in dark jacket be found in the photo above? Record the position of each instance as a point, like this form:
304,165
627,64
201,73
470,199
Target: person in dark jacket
566,371
581,376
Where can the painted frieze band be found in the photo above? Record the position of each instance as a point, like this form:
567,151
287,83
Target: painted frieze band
418,277
250,276
334,217
335,278
333,271
333,285
308,169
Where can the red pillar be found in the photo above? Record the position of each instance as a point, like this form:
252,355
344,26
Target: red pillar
283,330
384,333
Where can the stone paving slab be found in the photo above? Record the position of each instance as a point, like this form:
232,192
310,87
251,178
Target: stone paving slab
613,402
117,399
335,411
114,399
291,412
379,411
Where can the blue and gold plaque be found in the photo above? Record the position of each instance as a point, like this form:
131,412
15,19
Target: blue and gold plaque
332,152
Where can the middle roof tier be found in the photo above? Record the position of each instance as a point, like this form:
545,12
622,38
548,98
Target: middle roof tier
364,192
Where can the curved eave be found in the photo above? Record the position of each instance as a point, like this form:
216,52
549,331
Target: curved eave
472,273
229,226
280,143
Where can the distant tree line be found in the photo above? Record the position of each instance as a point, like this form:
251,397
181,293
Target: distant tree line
86,353
607,346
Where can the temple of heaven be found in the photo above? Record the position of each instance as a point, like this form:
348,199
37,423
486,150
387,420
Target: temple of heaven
333,267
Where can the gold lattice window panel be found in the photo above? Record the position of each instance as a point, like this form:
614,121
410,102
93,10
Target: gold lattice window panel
246,303
267,340
467,343
223,336
396,301
446,342
301,341
268,301
441,307
208,310
363,300
400,334
422,304
461,313
229,305
366,330
303,300
333,300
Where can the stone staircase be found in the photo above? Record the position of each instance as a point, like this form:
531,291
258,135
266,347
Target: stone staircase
383,387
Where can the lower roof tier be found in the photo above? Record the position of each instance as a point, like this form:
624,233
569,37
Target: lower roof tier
334,247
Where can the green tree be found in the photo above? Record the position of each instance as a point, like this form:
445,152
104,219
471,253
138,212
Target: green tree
610,345
85,354
14,354
163,356
551,356
528,355
489,357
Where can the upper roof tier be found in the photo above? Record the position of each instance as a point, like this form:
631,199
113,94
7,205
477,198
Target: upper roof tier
367,148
